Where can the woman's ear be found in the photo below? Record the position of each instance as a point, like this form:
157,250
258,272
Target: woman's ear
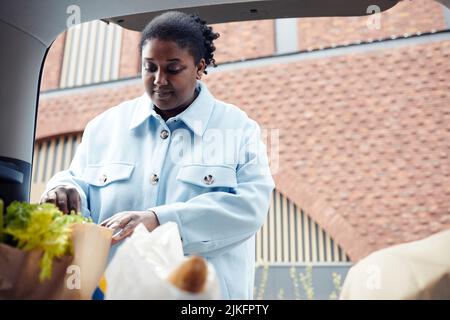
200,69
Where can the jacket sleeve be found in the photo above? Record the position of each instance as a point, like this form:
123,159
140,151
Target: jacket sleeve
213,222
73,176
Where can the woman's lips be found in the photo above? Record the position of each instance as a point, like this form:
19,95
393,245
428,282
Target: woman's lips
162,94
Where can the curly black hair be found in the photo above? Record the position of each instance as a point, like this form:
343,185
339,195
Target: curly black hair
187,31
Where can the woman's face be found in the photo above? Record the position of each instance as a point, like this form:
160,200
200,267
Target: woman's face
169,74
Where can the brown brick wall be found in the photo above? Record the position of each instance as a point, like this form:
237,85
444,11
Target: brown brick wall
53,64
129,55
244,40
364,138
69,113
407,17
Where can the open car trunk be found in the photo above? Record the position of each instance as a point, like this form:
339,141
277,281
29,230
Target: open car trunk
28,28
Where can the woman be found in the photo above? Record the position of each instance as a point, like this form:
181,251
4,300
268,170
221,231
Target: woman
175,154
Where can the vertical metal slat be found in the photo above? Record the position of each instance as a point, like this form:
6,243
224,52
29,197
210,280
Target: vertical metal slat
279,228
73,56
66,59
81,63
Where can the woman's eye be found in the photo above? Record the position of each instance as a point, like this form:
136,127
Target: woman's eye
174,69
150,67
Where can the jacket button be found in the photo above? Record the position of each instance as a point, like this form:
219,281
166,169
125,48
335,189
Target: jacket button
209,179
155,179
103,178
164,134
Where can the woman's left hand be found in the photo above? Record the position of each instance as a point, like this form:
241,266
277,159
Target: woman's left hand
123,223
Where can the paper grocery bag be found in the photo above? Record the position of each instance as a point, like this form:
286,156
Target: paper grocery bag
414,270
91,244
73,277
19,275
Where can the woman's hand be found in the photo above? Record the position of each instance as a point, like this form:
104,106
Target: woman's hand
65,198
123,223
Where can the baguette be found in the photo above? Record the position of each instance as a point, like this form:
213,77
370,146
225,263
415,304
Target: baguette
191,275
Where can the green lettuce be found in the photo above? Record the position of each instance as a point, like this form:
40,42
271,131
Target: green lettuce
41,226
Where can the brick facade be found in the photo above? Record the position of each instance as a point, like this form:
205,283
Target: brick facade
51,74
252,39
407,17
364,138
129,55
244,40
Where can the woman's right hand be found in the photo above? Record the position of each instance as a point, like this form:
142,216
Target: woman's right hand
66,198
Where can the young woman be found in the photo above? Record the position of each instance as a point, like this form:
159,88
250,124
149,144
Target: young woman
175,154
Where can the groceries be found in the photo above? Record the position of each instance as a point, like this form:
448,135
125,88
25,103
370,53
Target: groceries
40,226
152,265
191,275
415,270
45,254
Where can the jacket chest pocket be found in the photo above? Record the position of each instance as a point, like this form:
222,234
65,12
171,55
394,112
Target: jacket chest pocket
102,175
208,176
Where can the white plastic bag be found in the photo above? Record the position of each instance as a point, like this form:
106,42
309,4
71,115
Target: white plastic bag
142,264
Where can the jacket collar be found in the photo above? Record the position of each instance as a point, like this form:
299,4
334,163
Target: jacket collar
195,117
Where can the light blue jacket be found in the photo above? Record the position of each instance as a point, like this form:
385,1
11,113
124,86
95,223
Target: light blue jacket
208,173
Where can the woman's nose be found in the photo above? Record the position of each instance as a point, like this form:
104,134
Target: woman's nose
160,78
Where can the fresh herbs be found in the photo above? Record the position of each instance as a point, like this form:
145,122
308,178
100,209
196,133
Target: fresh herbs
40,226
